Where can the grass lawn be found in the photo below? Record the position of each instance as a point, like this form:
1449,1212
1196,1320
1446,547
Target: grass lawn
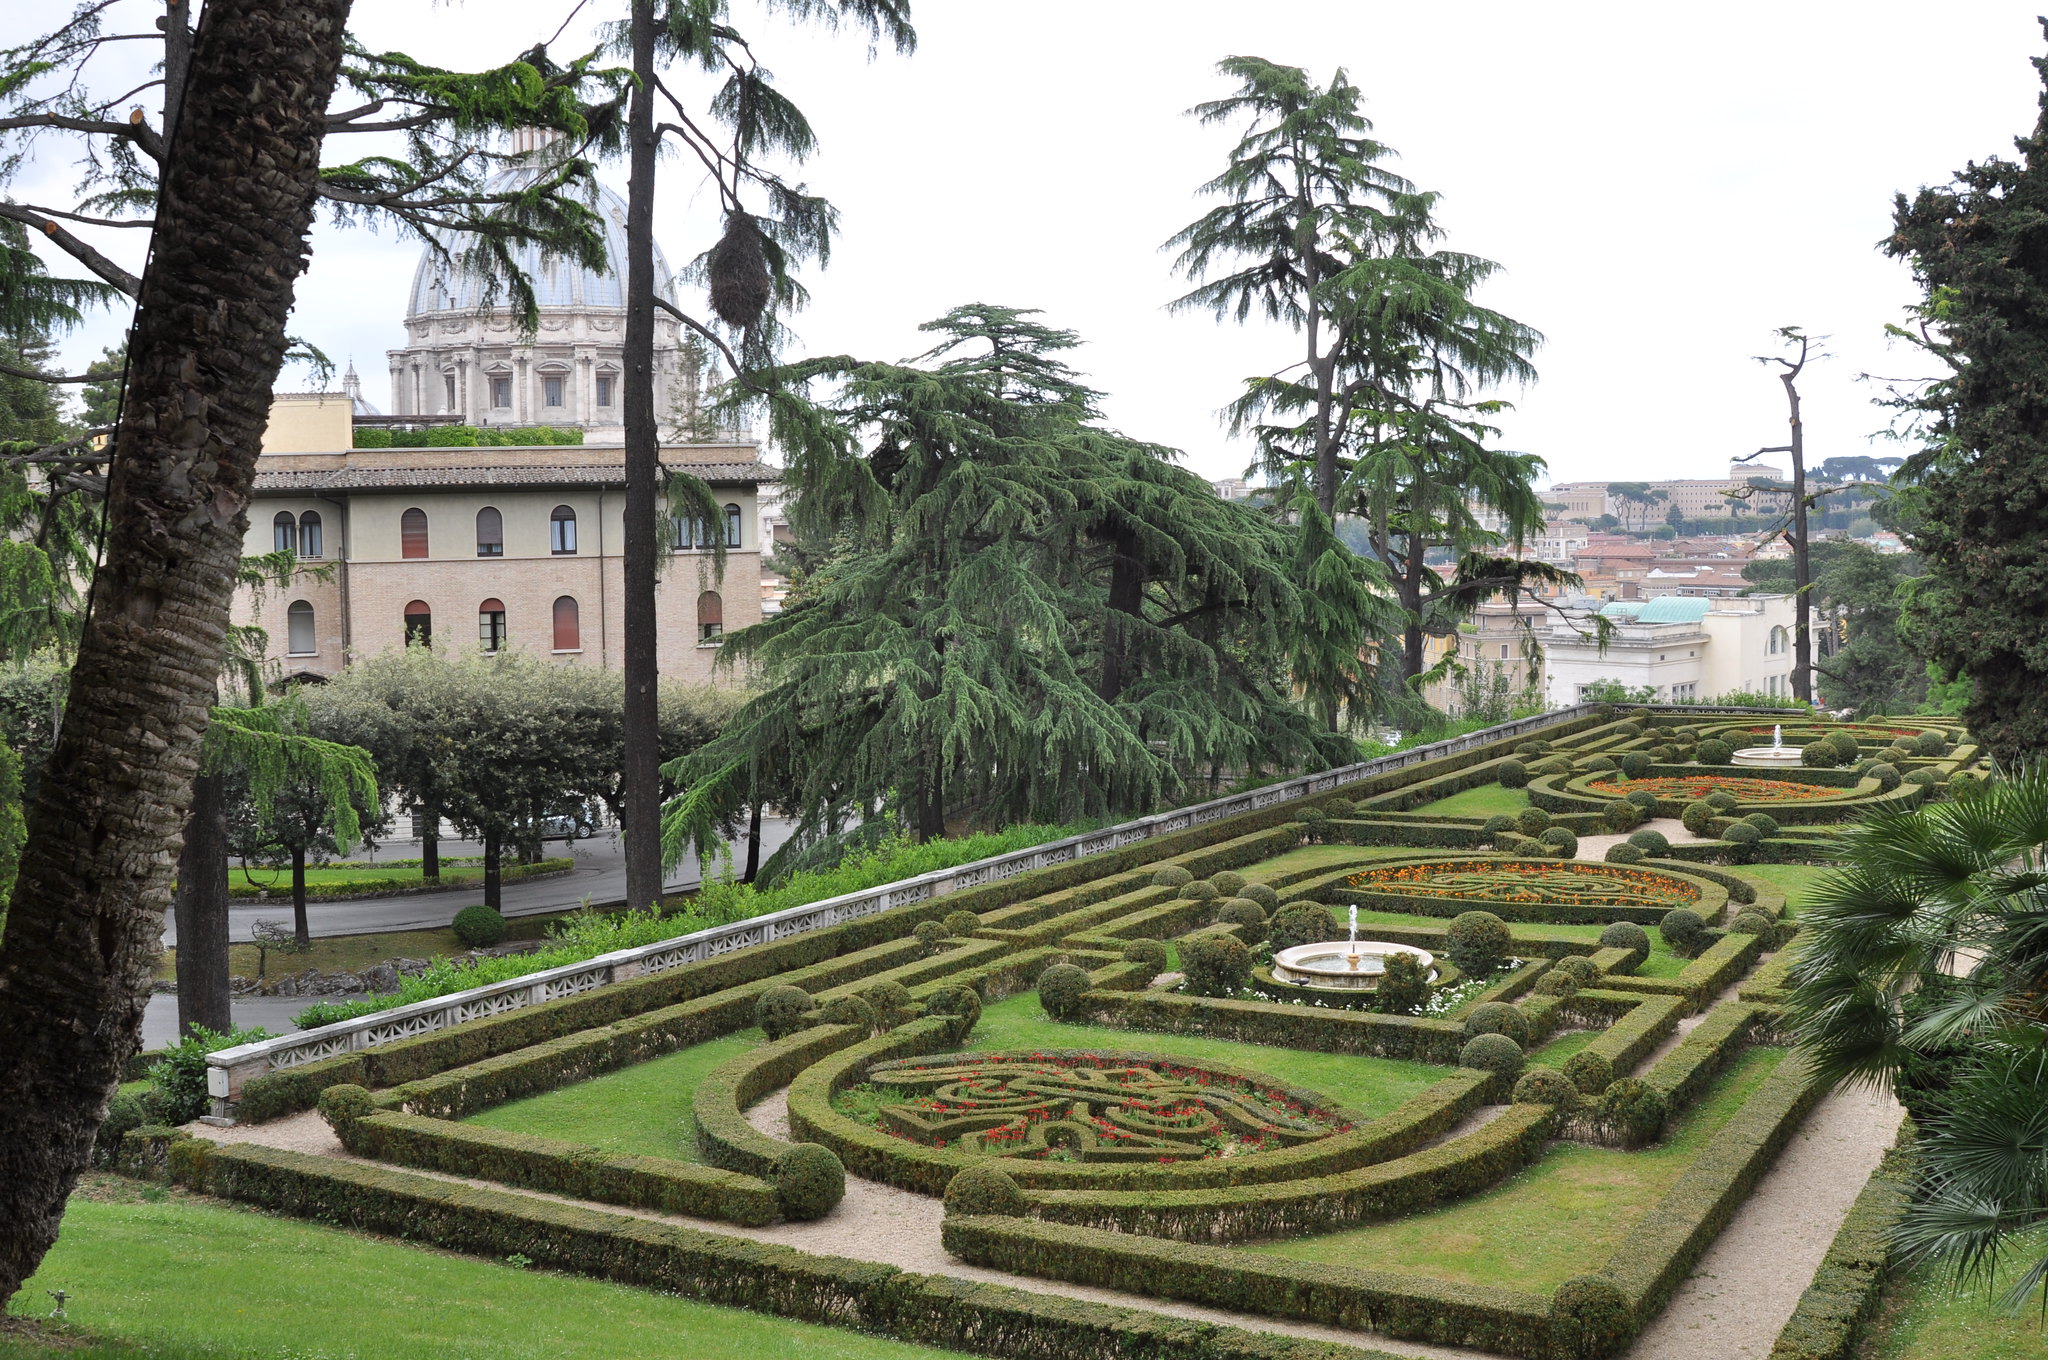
1558,1050
643,1109
182,1277
1485,801
1661,963
1924,1317
1791,879
1324,857
1371,1086
1561,1217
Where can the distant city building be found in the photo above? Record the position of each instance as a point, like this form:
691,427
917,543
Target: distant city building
1233,488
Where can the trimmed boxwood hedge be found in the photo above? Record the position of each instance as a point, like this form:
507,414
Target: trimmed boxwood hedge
1849,1284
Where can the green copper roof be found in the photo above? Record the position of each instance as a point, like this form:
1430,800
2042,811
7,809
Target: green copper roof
1663,609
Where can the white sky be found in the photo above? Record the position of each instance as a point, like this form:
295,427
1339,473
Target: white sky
1665,185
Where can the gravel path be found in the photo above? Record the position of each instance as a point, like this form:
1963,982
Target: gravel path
1596,847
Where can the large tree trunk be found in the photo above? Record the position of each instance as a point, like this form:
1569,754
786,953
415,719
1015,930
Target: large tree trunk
641,775
85,929
753,841
200,909
430,845
1126,598
1802,557
493,881
302,934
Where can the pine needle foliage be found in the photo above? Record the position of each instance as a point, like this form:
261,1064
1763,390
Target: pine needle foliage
1018,615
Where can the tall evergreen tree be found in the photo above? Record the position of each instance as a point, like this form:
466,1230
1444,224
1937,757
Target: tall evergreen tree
1978,489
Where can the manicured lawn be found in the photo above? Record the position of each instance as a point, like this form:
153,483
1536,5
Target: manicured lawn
643,1109
1323,857
1561,1217
1926,1318
1371,1086
196,1278
1554,1053
1485,801
1791,879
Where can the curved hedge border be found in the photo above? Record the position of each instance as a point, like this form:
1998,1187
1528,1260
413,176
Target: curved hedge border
1711,901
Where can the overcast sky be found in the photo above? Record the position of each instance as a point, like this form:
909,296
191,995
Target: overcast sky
1664,186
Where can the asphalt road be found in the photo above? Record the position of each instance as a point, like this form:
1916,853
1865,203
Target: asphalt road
599,876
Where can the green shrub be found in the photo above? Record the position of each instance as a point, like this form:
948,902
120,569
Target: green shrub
1216,965
1560,840
1626,935
1886,775
1404,987
1554,983
180,1075
1698,817
1820,755
963,1001
1930,744
1643,799
1263,895
1494,825
1632,1112
1552,765
1894,754
125,1110
1926,779
1300,923
1629,731
1579,968
1532,821
1533,749
1589,1071
930,934
1846,749
341,1106
1340,807
1498,1017
1315,825
1060,988
1620,815
1651,842
1752,923
1723,801
848,1010
1683,931
1227,884
1713,751
1742,839
890,1002
1545,1086
782,1011
1151,953
961,925
1636,764
479,927
1764,822
1492,1053
809,1182
1172,876
1590,1318
985,1189
1199,892
1245,913
1602,763
1478,942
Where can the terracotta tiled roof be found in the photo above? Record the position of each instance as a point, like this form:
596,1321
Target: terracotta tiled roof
403,478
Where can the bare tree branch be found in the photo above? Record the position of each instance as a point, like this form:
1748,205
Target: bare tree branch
75,248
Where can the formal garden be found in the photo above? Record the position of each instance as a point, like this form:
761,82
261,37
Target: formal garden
1092,1108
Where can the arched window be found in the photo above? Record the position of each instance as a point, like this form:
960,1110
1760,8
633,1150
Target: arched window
1778,643
490,625
551,388
412,533
309,535
490,532
732,526
298,629
284,533
710,618
419,623
562,531
689,531
568,630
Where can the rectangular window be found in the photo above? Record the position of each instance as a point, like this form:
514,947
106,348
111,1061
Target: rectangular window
449,379
1503,651
501,393
551,391
604,389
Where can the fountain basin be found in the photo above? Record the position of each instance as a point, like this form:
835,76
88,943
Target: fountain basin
1767,757
1341,966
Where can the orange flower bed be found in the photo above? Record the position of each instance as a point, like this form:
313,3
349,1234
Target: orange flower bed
1567,882
1689,787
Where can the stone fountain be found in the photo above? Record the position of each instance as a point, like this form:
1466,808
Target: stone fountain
1349,965
1776,756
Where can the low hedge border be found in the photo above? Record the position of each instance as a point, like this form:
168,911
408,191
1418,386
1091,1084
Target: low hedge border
1571,793
725,1137
1849,1284
733,1271
1277,1024
1711,902
1706,977
1771,983
1687,1070
365,889
1634,1033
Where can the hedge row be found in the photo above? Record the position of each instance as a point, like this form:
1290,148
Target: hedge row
1686,1071
725,1137
1648,1021
1706,977
1711,901
734,1271
1847,1287
1771,983
1284,1026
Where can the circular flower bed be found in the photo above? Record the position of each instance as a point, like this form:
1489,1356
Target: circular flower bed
1569,884
1089,1107
1689,787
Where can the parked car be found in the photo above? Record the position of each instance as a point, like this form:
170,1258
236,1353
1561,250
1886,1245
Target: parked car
567,824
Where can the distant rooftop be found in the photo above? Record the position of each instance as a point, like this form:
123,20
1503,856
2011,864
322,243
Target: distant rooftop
1663,609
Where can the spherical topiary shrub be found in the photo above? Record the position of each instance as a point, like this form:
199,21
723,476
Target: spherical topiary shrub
1300,923
1492,1053
1764,822
1713,751
1926,779
1930,745
1532,821
783,1010
1742,839
890,1002
1315,825
1060,988
1245,914
1589,1071
1636,764
1624,853
341,1106
1887,776
809,1182
1551,765
961,1001
1723,801
1532,749
1263,895
1216,965
1404,987
1820,755
1590,1318
1651,842
848,1010
1601,763
985,1188
1172,876
1620,815
1846,749
1199,891
1478,942
1227,884
1555,983
1741,892
1626,935
1632,1112
1341,807
1578,967
1698,817
1629,731
930,934
479,927
1751,923
1513,774
1498,1017
1496,824
1545,1086
1562,841
1642,800
1683,931
1151,953
962,924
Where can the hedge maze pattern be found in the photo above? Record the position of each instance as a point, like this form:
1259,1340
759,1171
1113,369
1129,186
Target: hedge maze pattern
1133,1168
